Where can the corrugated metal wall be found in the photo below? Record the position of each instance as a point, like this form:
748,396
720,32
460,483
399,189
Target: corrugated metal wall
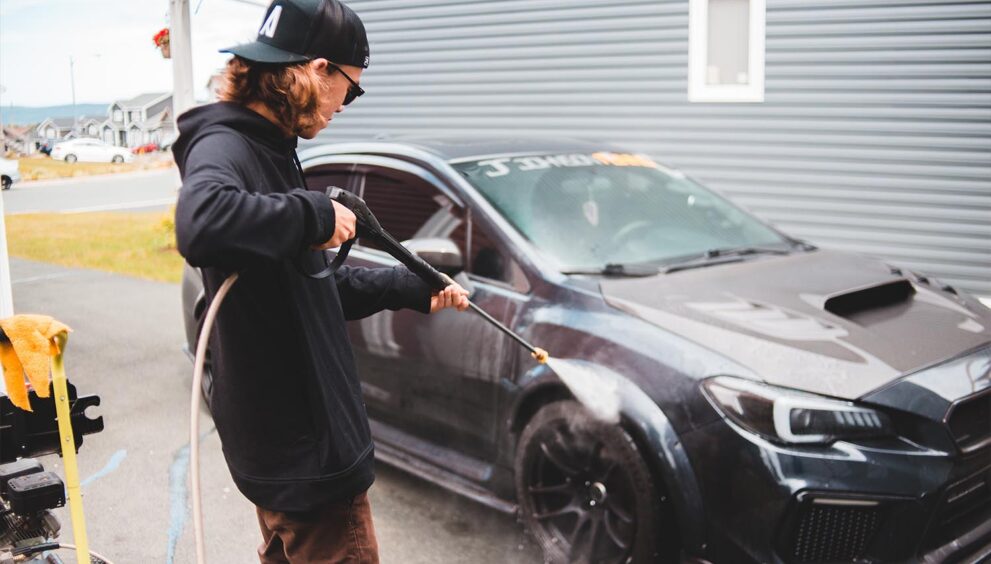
875,135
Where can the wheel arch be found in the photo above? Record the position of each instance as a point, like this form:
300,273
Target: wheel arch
652,432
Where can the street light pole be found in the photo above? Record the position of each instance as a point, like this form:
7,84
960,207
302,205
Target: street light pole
72,82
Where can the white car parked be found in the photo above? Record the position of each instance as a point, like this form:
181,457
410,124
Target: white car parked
90,150
9,174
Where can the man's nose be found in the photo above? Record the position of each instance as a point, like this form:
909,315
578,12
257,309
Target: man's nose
340,109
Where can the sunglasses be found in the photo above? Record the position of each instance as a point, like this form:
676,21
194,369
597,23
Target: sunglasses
353,90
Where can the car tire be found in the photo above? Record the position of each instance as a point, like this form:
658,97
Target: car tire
70,158
6,183
117,159
586,493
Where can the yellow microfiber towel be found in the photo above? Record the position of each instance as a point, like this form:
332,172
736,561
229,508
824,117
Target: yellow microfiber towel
30,350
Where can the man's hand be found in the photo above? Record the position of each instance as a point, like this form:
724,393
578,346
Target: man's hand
453,296
343,230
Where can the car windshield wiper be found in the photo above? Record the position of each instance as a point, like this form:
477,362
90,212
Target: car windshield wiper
616,269
713,257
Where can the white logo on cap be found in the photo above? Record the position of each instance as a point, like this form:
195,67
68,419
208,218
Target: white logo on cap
272,22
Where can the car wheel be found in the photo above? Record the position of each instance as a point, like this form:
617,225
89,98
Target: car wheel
206,386
70,158
5,183
117,159
585,492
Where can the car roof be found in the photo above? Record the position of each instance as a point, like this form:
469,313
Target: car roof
451,148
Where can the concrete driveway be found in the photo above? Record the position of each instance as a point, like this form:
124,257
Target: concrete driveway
126,348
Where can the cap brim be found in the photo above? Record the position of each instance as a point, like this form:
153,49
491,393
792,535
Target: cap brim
264,53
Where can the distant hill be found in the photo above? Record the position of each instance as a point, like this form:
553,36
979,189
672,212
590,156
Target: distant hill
26,115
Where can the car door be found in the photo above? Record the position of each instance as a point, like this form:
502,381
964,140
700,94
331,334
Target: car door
89,151
437,376
101,152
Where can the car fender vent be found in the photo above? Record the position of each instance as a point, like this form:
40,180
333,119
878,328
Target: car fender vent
969,421
871,297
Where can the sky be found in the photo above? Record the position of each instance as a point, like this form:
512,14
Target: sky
111,44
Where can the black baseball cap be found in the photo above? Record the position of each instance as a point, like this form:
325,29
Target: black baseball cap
295,31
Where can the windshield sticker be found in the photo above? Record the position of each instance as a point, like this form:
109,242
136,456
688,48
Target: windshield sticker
504,166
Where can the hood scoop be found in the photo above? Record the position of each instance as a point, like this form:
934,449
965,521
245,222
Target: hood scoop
851,305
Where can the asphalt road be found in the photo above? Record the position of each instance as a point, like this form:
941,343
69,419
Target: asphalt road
144,190
125,347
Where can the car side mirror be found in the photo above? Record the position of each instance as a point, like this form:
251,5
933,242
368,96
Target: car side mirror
444,255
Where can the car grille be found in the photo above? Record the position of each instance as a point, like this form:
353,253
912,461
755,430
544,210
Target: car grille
831,533
970,422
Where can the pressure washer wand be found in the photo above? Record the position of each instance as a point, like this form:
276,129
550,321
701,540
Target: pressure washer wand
368,226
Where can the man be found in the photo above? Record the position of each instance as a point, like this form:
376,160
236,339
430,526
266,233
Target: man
286,398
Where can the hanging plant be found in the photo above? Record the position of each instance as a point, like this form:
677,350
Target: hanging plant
161,40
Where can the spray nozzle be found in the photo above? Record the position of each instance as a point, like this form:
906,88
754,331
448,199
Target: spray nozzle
540,355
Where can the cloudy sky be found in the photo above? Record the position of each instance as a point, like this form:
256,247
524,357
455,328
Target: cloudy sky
110,41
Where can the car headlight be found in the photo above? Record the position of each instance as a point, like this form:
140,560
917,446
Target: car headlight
791,416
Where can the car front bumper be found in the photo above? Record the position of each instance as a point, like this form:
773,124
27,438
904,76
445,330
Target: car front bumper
766,502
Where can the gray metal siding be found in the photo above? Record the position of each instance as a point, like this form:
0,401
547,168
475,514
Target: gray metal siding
874,137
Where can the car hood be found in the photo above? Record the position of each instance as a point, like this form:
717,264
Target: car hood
824,322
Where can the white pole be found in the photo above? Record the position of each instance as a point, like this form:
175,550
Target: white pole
180,44
6,296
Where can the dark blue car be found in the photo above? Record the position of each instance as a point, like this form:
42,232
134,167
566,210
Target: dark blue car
771,401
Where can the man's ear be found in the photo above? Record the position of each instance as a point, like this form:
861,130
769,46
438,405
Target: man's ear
319,65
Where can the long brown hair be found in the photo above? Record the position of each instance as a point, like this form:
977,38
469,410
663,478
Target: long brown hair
291,91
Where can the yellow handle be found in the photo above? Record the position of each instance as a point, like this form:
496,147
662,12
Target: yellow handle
69,452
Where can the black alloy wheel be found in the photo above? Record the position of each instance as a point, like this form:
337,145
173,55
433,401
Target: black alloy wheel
70,158
585,493
6,183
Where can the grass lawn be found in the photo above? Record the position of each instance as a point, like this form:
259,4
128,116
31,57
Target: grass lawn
43,168
138,244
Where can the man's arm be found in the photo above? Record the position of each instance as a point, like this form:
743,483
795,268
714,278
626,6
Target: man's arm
367,291
219,222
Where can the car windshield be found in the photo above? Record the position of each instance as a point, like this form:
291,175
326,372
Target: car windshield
587,211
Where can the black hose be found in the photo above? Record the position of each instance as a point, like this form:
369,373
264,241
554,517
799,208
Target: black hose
35,548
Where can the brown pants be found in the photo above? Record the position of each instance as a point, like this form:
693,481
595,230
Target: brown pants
336,533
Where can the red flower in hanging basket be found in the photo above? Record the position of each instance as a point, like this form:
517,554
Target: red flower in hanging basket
162,37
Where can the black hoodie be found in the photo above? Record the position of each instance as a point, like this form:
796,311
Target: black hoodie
286,398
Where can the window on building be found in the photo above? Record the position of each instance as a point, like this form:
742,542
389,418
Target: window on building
118,115
726,51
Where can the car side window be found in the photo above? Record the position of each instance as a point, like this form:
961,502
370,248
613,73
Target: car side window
410,207
319,178
407,206
487,259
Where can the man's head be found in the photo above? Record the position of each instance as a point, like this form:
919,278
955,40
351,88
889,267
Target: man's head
303,67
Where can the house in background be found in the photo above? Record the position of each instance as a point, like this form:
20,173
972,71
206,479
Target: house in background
861,126
89,126
143,119
19,138
56,129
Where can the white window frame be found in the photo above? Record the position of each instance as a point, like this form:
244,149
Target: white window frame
698,41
